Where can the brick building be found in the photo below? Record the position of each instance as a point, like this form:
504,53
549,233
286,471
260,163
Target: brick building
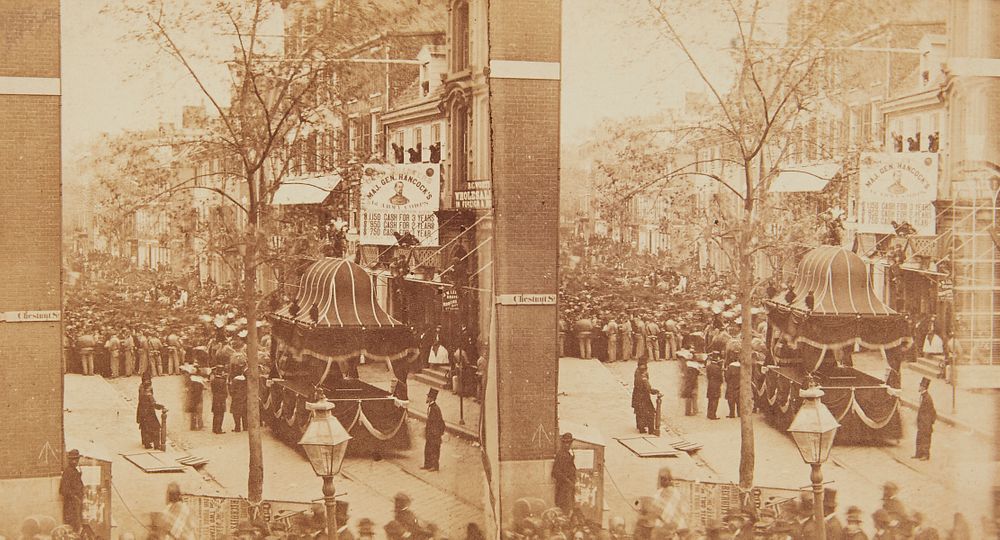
31,427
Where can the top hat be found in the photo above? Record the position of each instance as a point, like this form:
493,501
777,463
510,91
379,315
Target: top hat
432,393
854,514
925,382
73,454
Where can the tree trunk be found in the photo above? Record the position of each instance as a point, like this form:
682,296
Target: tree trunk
746,359
255,478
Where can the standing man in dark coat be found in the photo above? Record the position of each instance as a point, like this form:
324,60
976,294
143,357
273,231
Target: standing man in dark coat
71,489
689,387
433,433
642,401
733,389
145,414
564,474
713,374
238,405
220,392
926,416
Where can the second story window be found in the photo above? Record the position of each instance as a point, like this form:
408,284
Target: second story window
460,35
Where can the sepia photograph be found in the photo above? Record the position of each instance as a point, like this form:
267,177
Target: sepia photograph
499,269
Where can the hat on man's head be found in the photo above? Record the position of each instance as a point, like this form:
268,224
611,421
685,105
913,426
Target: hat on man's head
925,382
566,437
432,393
854,515
73,454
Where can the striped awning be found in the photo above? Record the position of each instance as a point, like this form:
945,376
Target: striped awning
839,284
336,293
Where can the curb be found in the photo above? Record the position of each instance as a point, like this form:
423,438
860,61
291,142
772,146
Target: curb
948,419
454,429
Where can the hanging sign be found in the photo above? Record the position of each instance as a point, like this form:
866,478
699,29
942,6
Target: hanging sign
526,299
397,199
900,188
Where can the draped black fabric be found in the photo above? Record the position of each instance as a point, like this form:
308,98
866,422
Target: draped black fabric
867,410
874,332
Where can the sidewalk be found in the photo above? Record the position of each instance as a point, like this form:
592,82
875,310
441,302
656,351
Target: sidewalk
973,411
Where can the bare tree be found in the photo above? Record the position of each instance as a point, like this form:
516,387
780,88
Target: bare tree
276,93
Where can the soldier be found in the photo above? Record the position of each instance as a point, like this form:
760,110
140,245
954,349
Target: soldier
86,343
433,433
238,405
175,353
142,350
128,352
653,340
71,489
926,416
611,330
713,374
113,345
625,334
155,347
220,392
733,389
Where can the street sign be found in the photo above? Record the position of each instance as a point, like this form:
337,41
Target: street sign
527,299
30,316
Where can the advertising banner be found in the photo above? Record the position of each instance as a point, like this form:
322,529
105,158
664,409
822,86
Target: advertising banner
219,517
897,187
397,199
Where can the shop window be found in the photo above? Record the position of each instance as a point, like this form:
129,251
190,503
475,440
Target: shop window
460,120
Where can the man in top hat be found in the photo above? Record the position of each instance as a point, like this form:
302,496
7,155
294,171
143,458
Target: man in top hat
853,530
433,432
238,403
733,389
71,489
926,416
564,474
220,393
713,375
405,524
898,518
689,385
642,400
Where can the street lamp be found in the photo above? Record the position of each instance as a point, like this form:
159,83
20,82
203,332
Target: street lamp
325,442
813,430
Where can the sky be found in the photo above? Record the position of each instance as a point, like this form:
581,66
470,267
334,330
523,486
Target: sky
612,68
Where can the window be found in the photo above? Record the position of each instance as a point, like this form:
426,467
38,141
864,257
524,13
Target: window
310,153
460,122
418,136
460,36
435,133
353,134
866,123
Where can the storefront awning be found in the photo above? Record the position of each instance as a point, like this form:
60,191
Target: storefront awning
305,190
805,178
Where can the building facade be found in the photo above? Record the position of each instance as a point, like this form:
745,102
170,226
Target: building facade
31,420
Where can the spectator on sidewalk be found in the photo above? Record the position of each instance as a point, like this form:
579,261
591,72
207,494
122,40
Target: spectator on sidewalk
71,490
733,389
220,393
713,377
175,352
854,530
238,404
145,415
405,525
564,474
195,396
926,416
642,402
899,520
689,385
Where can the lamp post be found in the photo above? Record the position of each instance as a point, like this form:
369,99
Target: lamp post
325,443
813,430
